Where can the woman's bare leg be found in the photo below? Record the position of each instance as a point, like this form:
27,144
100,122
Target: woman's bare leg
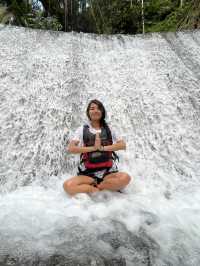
114,181
79,184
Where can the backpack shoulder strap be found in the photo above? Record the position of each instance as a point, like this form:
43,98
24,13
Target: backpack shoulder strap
85,129
108,131
115,156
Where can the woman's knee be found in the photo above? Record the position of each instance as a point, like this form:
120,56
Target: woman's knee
71,184
125,178
67,185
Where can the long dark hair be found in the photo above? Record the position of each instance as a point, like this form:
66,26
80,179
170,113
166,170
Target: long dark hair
101,108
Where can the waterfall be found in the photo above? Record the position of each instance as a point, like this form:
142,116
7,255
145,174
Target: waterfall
149,85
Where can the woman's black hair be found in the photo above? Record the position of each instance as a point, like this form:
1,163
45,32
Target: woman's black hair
101,108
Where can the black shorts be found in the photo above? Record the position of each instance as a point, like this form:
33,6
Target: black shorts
95,174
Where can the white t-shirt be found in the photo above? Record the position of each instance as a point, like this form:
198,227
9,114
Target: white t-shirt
78,134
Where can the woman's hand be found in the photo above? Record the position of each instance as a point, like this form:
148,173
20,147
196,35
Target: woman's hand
119,145
97,143
74,148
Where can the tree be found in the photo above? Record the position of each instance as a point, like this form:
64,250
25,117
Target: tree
115,16
17,11
103,16
23,13
190,18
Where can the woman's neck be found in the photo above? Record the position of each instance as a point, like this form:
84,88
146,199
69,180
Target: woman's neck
95,124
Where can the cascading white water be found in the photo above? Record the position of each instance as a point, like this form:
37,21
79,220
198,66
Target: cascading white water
150,88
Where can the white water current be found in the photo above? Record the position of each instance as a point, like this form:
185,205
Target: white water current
150,87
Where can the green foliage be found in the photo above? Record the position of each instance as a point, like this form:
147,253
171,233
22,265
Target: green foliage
191,16
164,15
2,12
22,14
115,16
19,9
40,22
103,16
85,22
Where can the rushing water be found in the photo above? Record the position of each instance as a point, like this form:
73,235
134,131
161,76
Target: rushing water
150,86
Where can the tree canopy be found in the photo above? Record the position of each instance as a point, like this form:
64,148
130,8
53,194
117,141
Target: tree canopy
102,16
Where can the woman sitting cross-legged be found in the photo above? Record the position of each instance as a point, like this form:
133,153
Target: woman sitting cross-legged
97,143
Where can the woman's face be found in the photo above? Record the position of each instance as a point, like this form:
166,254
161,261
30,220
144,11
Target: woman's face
94,112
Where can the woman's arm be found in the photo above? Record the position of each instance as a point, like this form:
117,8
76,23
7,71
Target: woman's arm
74,148
119,145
